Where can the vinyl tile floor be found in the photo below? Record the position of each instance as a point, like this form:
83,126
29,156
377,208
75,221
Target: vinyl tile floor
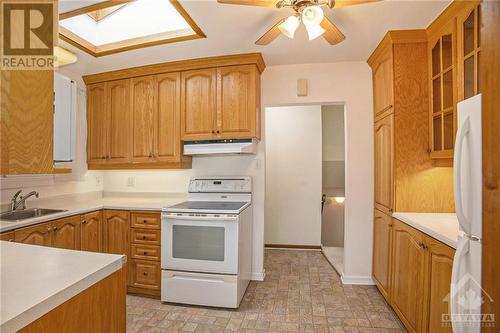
301,293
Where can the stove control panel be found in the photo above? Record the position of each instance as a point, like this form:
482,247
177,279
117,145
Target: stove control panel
220,185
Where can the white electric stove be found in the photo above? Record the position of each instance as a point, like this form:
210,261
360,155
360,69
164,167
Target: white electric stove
206,255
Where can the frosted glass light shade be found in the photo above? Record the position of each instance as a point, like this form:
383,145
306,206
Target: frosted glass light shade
289,27
314,31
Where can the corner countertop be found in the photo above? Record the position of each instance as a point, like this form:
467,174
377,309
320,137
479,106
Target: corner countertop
36,279
84,205
441,226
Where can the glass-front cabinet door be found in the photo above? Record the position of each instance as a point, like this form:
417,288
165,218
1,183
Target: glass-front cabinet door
469,51
442,92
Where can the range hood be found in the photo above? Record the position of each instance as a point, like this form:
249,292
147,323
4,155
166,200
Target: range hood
220,146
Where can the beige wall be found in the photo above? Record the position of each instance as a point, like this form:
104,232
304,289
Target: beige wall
293,175
348,83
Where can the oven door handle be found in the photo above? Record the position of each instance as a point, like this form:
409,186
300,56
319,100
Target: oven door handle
170,217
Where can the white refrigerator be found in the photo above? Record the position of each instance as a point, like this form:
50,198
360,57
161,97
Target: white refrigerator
466,294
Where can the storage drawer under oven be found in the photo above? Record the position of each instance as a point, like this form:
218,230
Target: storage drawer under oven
146,236
147,252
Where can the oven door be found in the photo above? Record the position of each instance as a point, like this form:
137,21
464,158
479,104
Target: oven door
207,243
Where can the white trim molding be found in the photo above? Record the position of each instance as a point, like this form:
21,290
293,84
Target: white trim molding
358,280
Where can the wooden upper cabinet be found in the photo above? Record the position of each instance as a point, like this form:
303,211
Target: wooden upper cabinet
116,231
97,123
237,101
438,285
167,135
27,118
384,157
409,276
66,233
118,109
198,104
144,110
442,78
35,235
382,75
469,50
91,232
382,245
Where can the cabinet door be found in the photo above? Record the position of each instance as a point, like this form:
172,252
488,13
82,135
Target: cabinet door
382,245
97,132
442,59
144,110
91,232
198,104
7,236
118,104
167,137
237,101
409,276
66,233
116,231
384,156
383,82
35,235
438,286
469,50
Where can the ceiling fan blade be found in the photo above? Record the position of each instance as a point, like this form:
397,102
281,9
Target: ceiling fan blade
270,35
332,34
344,3
261,3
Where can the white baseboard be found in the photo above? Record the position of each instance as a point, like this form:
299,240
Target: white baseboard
256,276
360,280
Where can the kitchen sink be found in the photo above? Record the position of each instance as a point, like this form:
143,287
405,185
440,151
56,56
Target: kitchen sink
24,214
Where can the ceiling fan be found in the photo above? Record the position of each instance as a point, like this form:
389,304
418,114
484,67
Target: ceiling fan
309,12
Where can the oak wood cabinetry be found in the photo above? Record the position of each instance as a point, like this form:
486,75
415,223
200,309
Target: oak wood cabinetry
382,252
384,159
62,233
454,53
91,232
413,272
116,232
7,236
199,104
138,116
145,270
409,277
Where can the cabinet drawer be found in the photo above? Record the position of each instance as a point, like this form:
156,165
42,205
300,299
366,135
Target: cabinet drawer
145,236
145,274
148,252
146,220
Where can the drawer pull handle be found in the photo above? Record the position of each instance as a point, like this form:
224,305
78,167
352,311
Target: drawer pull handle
145,253
145,273
144,237
144,221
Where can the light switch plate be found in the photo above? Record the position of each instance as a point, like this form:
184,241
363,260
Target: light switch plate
302,87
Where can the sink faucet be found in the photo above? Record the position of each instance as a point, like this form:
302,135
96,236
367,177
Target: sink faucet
15,204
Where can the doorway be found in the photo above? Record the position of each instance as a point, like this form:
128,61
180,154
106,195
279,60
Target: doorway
333,184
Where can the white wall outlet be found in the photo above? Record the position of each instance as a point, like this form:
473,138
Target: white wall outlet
130,181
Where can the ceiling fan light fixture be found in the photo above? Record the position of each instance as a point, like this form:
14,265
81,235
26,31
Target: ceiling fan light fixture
289,27
314,31
312,15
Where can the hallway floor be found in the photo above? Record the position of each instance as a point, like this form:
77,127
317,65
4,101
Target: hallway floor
335,255
301,293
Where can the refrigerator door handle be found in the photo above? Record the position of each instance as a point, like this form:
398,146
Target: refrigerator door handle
457,174
462,250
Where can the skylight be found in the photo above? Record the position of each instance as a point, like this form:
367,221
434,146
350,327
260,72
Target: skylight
134,24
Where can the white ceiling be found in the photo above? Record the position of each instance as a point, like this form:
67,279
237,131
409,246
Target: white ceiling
233,29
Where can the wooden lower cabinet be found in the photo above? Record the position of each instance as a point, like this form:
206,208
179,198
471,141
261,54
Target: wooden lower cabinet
408,281
438,285
145,250
91,232
415,279
117,232
34,235
66,233
7,236
382,246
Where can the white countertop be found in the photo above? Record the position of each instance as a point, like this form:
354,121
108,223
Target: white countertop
36,279
441,226
76,207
